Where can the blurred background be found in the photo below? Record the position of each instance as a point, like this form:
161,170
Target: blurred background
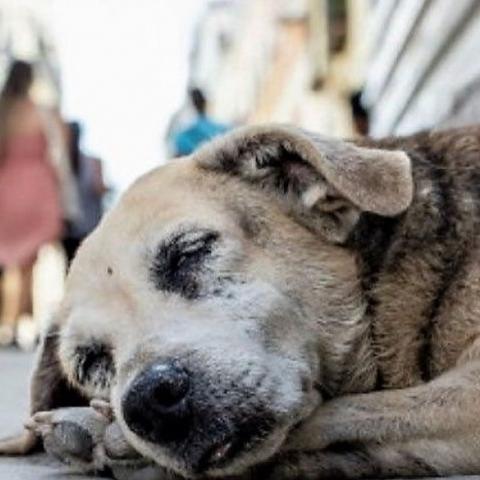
96,92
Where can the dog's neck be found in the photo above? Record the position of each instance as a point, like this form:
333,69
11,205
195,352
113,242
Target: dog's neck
371,240
406,266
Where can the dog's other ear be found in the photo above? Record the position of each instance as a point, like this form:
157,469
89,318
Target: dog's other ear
325,183
49,389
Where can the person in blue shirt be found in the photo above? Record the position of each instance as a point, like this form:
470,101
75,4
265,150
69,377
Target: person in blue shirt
200,131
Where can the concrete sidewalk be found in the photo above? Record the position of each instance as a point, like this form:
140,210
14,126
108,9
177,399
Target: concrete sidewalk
15,370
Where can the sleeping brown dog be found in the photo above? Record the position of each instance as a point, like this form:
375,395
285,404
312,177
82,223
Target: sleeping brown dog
278,305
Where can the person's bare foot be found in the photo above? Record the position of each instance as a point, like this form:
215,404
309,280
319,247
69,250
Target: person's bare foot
27,334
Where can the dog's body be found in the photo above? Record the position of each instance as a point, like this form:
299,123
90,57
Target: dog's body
420,271
315,304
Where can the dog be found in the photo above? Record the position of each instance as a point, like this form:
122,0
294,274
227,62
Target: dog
278,305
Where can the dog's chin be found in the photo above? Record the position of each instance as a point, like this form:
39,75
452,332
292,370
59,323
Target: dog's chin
231,457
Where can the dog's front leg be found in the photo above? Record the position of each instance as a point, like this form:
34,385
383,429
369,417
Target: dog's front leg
423,458
431,427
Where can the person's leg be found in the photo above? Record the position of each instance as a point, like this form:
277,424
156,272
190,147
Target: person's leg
26,330
26,289
17,300
10,305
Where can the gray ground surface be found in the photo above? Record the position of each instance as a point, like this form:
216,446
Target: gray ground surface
14,375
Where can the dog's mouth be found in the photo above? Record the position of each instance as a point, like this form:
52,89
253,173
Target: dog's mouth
218,456
224,453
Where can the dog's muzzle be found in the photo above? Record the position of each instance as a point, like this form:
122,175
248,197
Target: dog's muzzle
157,405
203,422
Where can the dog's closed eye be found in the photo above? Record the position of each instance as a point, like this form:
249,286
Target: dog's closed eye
94,364
179,261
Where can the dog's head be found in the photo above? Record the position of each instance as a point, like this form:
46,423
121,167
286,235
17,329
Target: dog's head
217,301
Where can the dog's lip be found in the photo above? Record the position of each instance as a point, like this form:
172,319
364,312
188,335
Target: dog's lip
222,453
219,455
227,449
216,456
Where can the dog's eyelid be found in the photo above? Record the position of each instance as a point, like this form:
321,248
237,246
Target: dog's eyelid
196,235
194,246
190,241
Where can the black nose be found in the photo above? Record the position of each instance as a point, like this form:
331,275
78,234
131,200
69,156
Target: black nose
156,405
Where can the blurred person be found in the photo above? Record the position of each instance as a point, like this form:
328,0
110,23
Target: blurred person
88,175
201,130
30,197
361,117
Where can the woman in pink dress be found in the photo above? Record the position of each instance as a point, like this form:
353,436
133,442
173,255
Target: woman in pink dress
30,212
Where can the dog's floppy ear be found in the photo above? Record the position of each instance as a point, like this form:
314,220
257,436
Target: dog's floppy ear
49,386
327,183
49,389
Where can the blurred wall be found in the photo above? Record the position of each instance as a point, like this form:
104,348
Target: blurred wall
290,61
424,70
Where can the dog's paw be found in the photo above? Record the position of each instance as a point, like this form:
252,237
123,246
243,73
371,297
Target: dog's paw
73,435
90,440
126,463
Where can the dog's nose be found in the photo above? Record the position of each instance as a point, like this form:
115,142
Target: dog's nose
156,405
